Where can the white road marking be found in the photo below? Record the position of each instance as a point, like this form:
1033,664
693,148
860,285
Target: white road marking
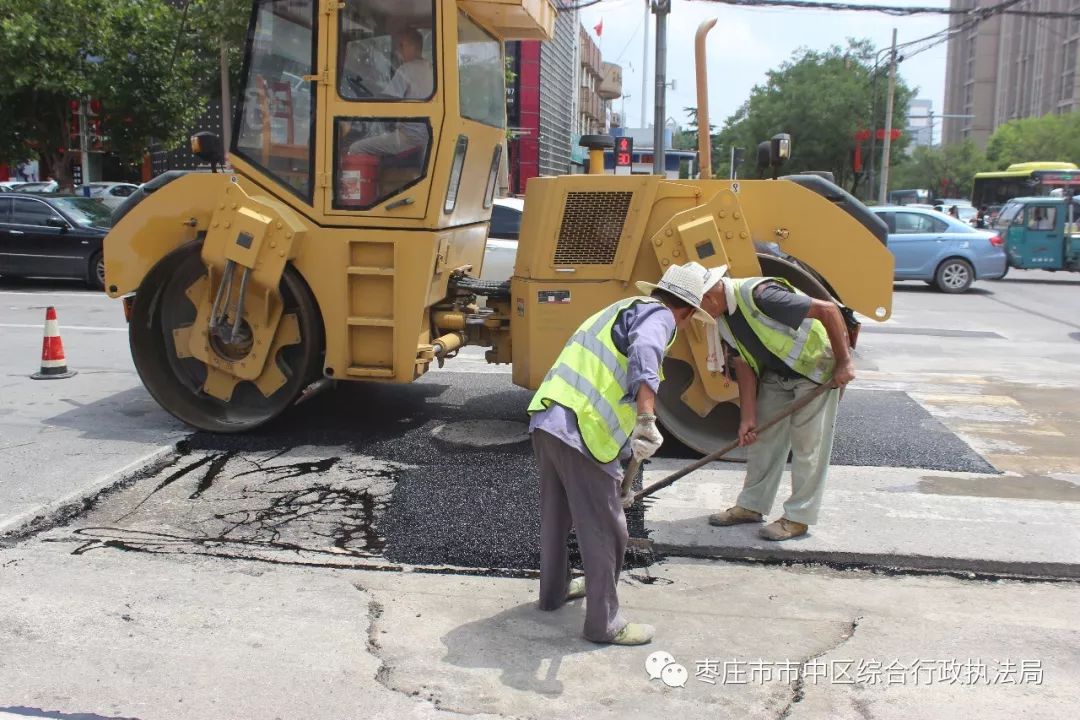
48,293
63,328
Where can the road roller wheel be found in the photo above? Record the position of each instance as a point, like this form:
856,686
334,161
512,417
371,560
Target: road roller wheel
162,306
719,428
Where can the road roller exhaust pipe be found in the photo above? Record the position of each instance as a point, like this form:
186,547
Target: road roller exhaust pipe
704,142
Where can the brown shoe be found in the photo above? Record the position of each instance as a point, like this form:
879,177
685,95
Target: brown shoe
734,516
783,529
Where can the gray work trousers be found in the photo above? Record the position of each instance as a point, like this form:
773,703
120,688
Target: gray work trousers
576,492
807,435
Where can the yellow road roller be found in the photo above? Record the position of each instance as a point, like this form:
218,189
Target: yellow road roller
347,238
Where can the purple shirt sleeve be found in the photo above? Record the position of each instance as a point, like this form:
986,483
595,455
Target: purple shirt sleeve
648,334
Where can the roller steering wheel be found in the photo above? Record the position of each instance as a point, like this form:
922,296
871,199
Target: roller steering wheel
358,87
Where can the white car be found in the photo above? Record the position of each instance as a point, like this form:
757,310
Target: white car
38,186
502,239
111,194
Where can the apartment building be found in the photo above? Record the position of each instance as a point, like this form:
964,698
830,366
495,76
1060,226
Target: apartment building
1009,67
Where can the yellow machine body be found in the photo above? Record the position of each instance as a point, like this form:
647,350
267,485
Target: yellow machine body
337,248
587,239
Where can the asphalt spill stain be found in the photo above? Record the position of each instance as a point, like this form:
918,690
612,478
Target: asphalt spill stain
1032,487
294,470
217,464
244,504
32,712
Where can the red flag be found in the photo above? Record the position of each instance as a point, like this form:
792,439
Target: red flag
599,27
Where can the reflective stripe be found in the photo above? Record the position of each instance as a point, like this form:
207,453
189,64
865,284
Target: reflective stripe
599,402
605,317
800,341
596,346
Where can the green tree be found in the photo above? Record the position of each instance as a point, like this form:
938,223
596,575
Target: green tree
1051,137
821,99
946,171
687,139
146,61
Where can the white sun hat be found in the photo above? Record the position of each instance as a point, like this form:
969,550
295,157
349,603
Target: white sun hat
714,275
686,282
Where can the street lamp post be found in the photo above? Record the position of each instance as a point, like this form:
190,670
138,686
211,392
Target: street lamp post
887,143
874,70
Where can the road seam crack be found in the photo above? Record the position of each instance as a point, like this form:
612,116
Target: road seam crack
798,683
382,675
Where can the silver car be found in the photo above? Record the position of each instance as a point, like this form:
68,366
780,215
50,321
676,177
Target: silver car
502,239
940,250
111,194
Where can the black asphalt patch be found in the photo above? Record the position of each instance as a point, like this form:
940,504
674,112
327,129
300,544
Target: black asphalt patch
886,428
479,507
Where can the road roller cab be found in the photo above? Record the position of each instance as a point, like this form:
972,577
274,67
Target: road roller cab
364,155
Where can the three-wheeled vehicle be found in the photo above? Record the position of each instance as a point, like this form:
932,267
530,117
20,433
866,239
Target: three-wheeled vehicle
1041,232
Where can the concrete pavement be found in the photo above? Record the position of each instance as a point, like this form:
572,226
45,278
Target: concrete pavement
103,634
885,518
62,440
301,571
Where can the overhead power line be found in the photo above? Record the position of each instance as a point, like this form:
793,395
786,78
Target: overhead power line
1003,8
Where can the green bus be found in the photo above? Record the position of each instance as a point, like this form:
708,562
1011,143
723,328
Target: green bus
1029,179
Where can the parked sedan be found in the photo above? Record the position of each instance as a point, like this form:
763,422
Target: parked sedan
53,236
111,194
44,186
941,250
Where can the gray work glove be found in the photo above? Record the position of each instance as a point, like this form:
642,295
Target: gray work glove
646,439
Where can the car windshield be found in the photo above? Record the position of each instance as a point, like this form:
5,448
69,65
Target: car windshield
1007,214
85,212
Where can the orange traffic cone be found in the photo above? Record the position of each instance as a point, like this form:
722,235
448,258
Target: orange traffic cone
53,363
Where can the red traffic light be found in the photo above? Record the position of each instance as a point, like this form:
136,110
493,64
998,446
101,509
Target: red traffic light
624,151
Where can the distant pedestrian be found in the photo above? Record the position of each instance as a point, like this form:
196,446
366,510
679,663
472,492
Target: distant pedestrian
954,211
595,408
982,219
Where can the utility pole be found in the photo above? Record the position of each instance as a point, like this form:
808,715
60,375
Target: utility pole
887,143
84,142
644,64
661,8
226,100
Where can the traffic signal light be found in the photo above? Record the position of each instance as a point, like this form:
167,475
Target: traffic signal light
624,151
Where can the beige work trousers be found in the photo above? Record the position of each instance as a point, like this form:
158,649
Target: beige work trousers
807,435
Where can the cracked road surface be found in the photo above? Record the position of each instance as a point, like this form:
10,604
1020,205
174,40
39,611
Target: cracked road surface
146,636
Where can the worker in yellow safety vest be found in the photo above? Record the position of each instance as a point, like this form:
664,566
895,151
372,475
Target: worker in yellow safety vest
784,344
594,408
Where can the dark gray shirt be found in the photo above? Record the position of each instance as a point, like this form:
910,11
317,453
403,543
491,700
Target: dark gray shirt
781,305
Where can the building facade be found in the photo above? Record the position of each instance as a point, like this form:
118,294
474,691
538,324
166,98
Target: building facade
1009,67
541,102
590,118
559,92
920,123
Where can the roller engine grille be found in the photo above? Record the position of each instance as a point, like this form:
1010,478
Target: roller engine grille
592,224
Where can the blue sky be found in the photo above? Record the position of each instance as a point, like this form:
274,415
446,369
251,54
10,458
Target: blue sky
746,43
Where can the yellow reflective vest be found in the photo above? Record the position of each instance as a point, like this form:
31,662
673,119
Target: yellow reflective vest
589,378
805,350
